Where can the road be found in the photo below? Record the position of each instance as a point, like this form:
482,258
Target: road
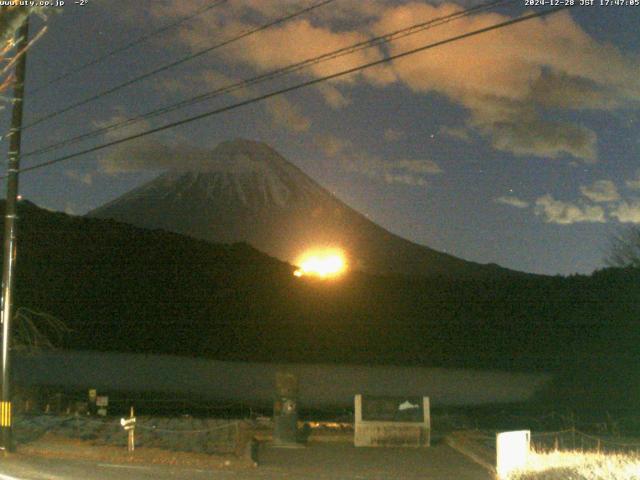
315,462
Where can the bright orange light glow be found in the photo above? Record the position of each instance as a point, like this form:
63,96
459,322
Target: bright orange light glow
323,264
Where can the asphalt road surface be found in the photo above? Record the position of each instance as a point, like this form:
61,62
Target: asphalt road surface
315,462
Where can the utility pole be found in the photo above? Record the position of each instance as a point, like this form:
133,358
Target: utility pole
13,166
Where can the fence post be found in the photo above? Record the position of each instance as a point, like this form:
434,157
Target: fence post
555,443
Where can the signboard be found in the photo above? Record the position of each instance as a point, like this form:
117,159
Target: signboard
512,451
102,402
402,421
392,409
128,423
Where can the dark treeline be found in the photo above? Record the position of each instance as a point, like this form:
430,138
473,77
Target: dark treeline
126,289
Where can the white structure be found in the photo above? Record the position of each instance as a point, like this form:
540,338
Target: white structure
392,421
512,451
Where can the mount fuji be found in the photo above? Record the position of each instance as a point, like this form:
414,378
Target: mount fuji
247,192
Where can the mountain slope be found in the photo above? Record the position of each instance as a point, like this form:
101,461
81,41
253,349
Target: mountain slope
131,289
128,289
249,193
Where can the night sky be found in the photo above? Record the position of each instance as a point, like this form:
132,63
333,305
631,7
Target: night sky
518,147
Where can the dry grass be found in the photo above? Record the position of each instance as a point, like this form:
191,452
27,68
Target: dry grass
575,465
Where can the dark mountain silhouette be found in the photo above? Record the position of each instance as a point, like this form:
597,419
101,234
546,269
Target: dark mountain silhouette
123,288
247,192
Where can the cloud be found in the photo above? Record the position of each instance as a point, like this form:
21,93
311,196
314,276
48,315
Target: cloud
428,167
523,133
512,201
627,211
459,133
407,172
333,96
561,90
85,178
200,81
601,191
70,208
509,80
127,128
333,146
566,213
337,12
412,172
287,115
147,153
634,183
279,47
405,179
119,159
500,76
393,135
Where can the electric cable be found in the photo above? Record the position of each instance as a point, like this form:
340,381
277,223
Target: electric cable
129,45
180,61
386,38
294,87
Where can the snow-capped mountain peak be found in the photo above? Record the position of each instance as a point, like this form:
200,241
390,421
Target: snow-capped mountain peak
246,191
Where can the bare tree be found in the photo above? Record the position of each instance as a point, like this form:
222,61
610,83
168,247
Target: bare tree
37,331
34,330
11,17
624,250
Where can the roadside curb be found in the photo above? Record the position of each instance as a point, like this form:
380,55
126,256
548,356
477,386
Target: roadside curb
467,444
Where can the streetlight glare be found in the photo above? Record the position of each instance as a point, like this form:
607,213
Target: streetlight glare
321,263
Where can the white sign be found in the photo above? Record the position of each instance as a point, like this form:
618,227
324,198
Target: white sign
102,401
512,451
407,405
128,423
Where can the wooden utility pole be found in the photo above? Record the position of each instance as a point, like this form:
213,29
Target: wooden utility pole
9,251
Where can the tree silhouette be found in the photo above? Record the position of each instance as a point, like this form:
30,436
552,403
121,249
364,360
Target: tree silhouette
624,250
11,18
36,331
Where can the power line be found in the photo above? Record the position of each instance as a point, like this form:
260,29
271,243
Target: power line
131,44
294,87
386,38
178,62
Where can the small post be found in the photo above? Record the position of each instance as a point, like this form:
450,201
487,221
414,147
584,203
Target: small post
129,425
555,444
132,434
93,395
